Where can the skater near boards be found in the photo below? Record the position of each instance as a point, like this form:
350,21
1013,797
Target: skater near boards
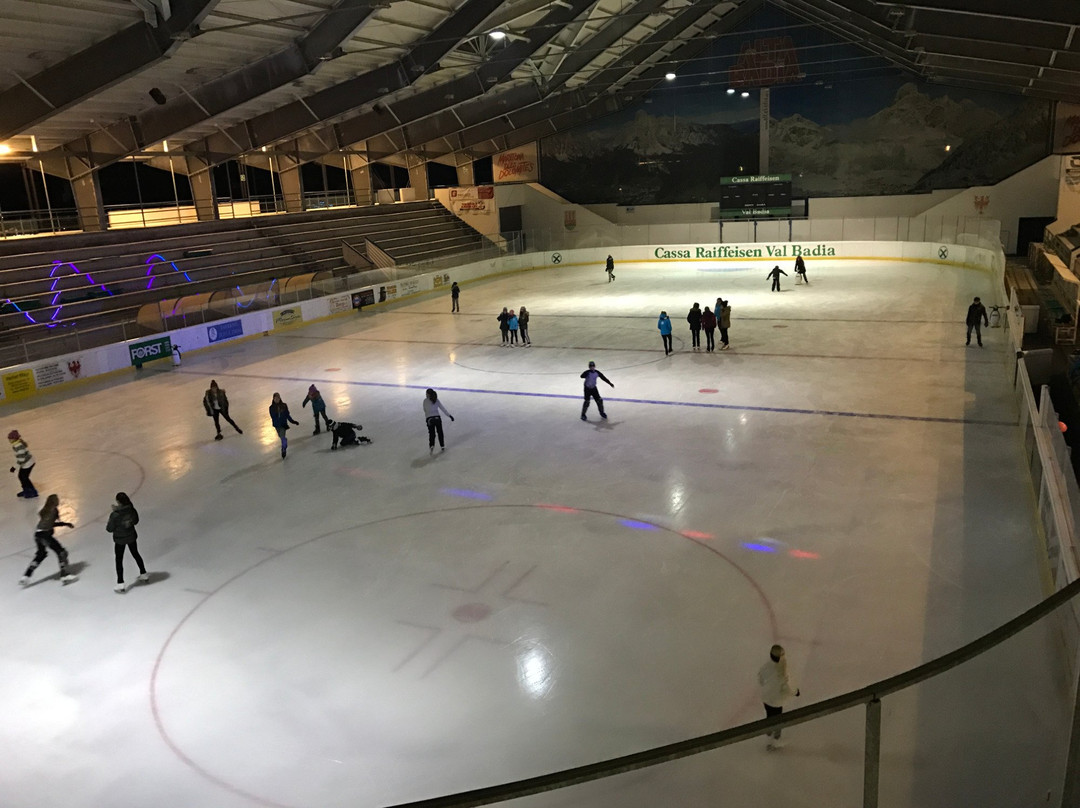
800,270
48,521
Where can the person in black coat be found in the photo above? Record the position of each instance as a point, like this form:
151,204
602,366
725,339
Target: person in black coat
345,434
504,327
976,318
800,269
609,267
775,274
455,293
121,524
694,318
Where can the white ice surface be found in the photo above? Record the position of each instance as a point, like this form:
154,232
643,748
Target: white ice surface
375,625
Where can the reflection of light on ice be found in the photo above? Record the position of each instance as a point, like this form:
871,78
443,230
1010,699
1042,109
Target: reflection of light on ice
176,462
268,435
534,665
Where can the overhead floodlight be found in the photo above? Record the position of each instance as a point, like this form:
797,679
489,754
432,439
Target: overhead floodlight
33,143
731,91
5,148
497,35
745,94
669,76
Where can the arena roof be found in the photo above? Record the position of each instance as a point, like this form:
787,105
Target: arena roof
84,83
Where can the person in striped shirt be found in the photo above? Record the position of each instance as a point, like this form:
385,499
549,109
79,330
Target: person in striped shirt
25,461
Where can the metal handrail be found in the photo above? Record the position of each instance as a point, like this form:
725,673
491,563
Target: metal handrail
870,695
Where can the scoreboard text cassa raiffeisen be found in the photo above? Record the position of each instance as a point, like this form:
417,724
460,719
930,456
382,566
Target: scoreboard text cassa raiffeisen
755,196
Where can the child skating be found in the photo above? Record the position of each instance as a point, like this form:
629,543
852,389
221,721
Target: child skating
609,267
25,462
432,407
318,407
121,524
590,376
48,521
281,418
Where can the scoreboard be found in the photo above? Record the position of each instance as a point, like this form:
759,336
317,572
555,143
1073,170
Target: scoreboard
755,196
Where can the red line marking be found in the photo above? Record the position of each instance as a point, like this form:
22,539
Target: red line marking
697,534
559,508
708,390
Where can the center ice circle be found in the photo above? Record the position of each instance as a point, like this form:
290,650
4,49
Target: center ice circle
416,655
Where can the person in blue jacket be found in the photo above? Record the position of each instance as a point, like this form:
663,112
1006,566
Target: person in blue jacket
280,418
318,406
512,323
664,324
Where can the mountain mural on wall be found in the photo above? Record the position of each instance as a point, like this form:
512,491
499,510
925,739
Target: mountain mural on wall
917,143
844,122
652,159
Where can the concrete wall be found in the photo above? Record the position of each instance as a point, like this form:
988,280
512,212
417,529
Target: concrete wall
1031,192
544,215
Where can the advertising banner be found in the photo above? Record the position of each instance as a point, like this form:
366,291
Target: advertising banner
1067,128
339,304
517,165
365,297
286,317
19,384
58,371
149,350
219,332
473,202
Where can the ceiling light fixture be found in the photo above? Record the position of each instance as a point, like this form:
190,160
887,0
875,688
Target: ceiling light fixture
670,76
731,91
745,94
5,148
497,35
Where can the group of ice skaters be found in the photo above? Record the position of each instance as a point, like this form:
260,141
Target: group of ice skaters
121,524
773,679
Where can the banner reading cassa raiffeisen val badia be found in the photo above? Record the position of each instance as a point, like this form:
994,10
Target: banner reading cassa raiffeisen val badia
706,251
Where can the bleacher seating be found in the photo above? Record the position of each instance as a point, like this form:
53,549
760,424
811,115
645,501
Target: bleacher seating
111,286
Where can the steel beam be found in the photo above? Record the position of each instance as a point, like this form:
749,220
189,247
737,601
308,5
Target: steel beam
346,96
103,64
216,97
497,116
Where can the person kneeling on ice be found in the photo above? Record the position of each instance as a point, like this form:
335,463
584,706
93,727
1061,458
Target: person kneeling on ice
345,434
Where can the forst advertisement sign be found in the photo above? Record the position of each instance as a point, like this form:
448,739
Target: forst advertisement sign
151,349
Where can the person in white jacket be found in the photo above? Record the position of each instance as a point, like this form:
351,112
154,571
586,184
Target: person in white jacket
776,688
432,407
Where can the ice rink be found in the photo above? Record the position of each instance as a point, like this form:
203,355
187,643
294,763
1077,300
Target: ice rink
377,625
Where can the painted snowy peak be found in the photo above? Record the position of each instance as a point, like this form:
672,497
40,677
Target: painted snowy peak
887,152
646,136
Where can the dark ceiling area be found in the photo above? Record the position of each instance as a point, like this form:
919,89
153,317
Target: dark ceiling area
86,83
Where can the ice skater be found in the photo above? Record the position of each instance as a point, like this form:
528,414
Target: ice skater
216,404
512,324
504,326
776,689
976,317
455,293
48,521
345,434
609,267
708,323
664,325
432,407
280,418
590,376
694,318
723,320
25,461
775,275
121,524
800,270
523,324
318,407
